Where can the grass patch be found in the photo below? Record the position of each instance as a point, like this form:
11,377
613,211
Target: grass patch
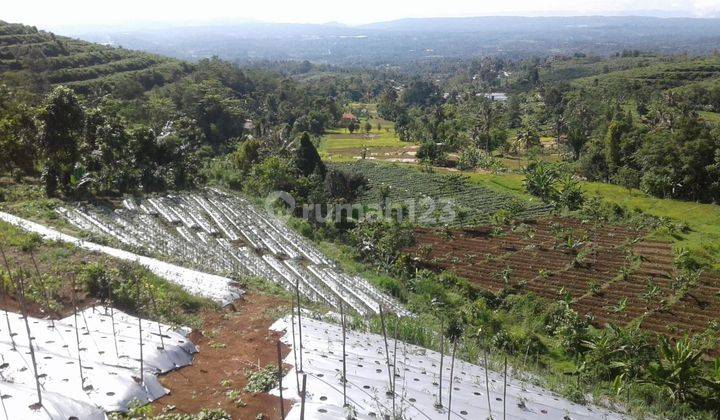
703,239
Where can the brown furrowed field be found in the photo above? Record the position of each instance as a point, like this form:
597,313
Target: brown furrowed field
612,273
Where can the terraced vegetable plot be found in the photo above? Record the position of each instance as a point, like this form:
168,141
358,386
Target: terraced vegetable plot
226,235
86,67
478,394
612,273
430,193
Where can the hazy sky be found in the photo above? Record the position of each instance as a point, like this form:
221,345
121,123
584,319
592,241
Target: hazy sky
59,13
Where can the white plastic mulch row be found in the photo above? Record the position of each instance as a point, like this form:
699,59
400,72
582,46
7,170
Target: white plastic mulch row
227,235
217,288
416,382
110,363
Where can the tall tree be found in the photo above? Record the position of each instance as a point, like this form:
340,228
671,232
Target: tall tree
62,119
307,157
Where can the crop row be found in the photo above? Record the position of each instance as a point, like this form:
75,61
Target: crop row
432,192
609,272
227,235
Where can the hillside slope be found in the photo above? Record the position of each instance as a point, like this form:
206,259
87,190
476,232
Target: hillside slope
36,60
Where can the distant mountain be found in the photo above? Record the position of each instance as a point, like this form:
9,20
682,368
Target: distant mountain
554,24
407,40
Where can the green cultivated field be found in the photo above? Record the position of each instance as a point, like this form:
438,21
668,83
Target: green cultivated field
339,145
402,182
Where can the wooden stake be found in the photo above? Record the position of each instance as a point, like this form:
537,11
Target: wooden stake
442,358
452,372
154,302
40,283
299,314
292,331
5,296
302,397
505,390
387,352
2,401
487,382
280,379
344,354
21,298
142,362
394,365
112,321
77,333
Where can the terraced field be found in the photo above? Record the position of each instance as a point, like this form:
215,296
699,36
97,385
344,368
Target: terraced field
430,192
41,59
226,235
658,75
612,273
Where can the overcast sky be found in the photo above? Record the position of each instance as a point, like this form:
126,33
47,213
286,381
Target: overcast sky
59,13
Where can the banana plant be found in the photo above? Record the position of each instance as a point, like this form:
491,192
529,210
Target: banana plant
677,370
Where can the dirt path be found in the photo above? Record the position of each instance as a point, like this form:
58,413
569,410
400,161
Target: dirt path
231,344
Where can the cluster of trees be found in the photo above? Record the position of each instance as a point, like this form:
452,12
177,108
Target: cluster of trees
664,148
80,150
640,137
444,123
136,140
283,162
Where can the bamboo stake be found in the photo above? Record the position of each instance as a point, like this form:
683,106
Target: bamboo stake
394,365
39,282
142,362
112,321
292,320
299,314
21,298
344,354
302,397
387,356
2,401
280,378
452,370
77,333
160,333
505,390
5,296
487,383
442,357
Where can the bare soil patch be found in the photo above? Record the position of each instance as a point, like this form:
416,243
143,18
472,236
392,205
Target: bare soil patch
610,272
232,343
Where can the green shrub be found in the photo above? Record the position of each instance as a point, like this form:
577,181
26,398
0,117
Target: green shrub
262,380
